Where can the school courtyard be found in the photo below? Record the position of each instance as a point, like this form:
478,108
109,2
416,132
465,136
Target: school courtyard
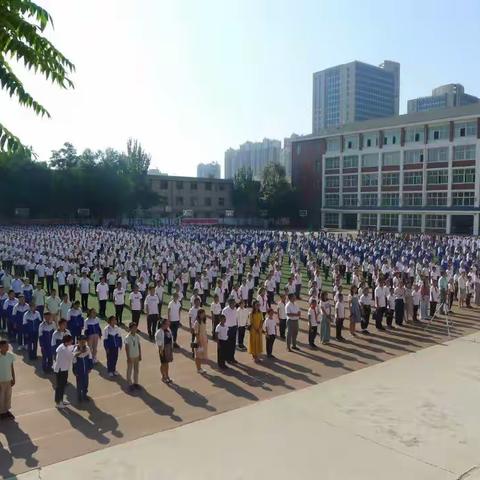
396,404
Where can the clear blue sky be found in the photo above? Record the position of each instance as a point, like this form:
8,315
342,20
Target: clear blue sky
191,78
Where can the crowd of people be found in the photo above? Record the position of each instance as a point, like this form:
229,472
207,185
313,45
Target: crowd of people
232,283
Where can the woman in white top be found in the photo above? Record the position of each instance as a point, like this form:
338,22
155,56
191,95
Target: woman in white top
326,310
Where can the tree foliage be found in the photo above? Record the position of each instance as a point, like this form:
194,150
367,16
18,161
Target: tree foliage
22,40
246,193
97,180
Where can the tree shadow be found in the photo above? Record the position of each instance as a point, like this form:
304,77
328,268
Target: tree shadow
20,446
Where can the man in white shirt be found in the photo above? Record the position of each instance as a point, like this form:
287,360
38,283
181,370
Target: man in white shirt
84,287
174,308
293,316
242,318
381,293
102,293
119,302
232,325
136,304
151,307
63,363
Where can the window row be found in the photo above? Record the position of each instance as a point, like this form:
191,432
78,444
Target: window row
194,201
391,220
183,185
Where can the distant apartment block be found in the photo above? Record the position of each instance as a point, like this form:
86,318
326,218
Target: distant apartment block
354,92
446,96
252,155
208,170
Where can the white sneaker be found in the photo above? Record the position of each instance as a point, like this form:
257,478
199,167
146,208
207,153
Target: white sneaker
66,402
60,405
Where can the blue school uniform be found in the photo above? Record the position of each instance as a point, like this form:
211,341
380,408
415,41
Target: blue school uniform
3,315
45,334
31,322
92,327
75,323
82,365
17,317
112,341
28,293
8,307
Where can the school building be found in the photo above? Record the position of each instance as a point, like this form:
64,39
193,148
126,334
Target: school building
415,172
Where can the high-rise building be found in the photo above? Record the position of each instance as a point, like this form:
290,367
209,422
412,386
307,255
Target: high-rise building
252,155
208,170
286,155
353,92
446,96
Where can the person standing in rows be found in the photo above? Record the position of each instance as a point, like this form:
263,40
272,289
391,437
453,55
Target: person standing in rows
53,304
293,316
242,320
326,318
7,380
93,332
102,294
45,334
31,324
84,287
164,342
174,308
201,340
63,364
112,342
270,328
366,306
119,302
151,309
82,365
380,304
313,321
133,351
136,300
255,344
75,321
282,316
231,322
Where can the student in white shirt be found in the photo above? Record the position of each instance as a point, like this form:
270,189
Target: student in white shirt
270,328
339,317
174,308
136,299
63,363
119,302
215,310
282,316
326,318
313,322
84,287
151,306
293,315
242,317
102,293
221,333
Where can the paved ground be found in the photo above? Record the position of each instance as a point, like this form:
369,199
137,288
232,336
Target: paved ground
412,417
43,435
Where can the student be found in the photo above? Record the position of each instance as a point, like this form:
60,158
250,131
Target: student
27,290
112,341
242,318
366,308
173,316
38,297
216,311
231,322
45,333
75,321
164,342
58,334
293,316
151,309
390,309
133,351
201,340
17,316
65,307
8,306
119,302
63,363
326,318
221,333
72,280
82,365
61,282
282,317
93,332
339,317
136,300
255,343
53,304
84,287
31,324
192,318
102,294
270,328
416,297
313,321
3,318
7,380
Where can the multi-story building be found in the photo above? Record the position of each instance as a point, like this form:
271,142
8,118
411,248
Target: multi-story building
353,92
191,196
413,172
253,155
446,96
208,170
286,154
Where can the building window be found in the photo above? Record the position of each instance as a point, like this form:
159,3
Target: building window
437,177
464,152
331,219
179,200
390,179
390,199
350,200
390,137
221,187
368,220
163,185
350,161
412,200
413,156
221,201
463,199
413,178
179,185
371,140
193,186
389,220
370,160
332,162
463,175
331,200
333,144
435,155
391,158
436,222
208,202
439,132
193,201
350,181
369,199
332,181
465,129
208,186
411,220
415,134
351,142
369,180
437,199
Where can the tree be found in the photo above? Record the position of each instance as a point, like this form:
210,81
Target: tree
246,193
22,24
277,194
64,158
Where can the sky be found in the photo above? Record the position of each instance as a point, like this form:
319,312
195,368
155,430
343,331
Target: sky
191,78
